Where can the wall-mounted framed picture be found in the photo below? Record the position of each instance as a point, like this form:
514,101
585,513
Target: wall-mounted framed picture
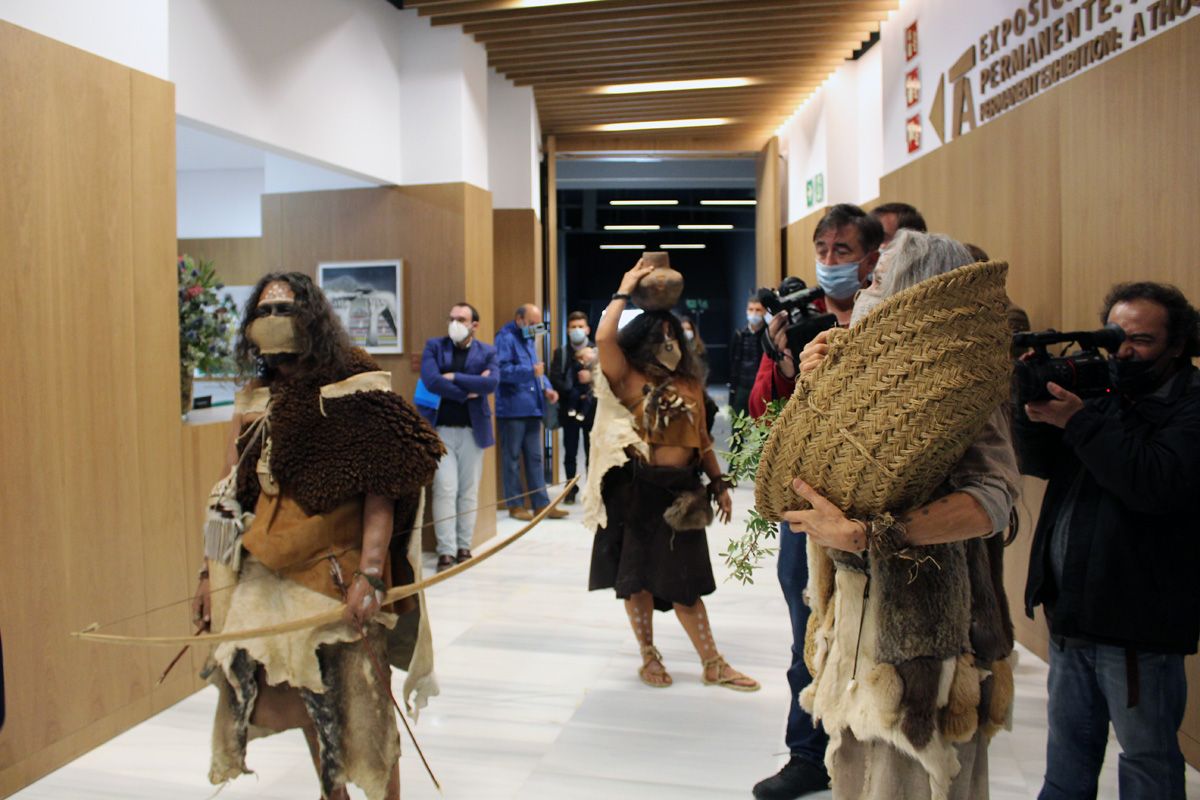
368,296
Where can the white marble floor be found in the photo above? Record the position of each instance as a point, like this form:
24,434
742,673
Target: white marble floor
540,700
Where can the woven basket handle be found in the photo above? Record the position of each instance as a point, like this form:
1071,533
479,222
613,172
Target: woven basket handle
836,339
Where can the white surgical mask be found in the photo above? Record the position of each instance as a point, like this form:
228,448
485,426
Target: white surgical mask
754,319
689,335
577,336
458,331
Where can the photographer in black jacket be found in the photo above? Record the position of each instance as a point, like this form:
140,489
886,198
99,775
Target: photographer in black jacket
1116,554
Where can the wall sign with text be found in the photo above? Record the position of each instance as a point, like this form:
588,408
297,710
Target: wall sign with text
986,57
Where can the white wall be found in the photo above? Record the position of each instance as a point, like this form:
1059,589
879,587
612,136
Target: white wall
312,77
216,203
514,145
129,32
802,141
444,104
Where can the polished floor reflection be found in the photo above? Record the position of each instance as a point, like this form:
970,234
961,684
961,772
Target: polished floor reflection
541,701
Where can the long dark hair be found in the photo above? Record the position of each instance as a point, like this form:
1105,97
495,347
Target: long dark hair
323,341
644,333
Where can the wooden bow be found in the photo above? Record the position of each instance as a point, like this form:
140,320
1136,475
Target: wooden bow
90,634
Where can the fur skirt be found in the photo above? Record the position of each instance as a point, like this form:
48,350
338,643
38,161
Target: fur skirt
639,550
344,695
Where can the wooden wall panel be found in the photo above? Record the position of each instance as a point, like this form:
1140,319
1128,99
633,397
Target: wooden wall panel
768,217
170,572
999,188
516,234
239,261
90,476
1131,175
442,231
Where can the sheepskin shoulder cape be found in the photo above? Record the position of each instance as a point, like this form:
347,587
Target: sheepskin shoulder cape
613,431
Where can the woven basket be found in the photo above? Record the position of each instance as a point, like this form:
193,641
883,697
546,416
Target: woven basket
902,394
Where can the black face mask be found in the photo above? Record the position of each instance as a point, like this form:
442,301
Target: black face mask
1134,377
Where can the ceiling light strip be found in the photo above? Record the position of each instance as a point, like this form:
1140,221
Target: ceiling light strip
622,247
682,246
705,227
631,227
660,124
643,202
728,202
675,86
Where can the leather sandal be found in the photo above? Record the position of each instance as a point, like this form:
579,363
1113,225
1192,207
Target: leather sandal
718,661
444,563
650,653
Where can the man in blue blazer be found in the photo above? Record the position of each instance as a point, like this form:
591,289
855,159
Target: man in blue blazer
520,406
462,372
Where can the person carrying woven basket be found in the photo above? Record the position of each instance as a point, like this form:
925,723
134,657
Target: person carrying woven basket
911,639
331,462
644,496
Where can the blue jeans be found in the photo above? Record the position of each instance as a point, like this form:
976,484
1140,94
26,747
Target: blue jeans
804,738
1088,689
522,436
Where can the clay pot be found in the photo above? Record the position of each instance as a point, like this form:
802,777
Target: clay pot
661,289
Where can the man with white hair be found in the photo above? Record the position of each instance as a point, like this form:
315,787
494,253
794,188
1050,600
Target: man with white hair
973,505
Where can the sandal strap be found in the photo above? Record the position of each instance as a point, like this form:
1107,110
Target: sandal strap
717,661
650,652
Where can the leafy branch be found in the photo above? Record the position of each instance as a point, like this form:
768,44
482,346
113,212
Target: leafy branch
749,436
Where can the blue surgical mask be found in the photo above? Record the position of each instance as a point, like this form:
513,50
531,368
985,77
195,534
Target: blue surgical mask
577,336
754,319
840,281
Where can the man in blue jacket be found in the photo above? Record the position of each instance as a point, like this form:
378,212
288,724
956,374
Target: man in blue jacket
462,372
520,406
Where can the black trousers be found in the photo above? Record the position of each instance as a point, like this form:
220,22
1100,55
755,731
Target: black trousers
571,429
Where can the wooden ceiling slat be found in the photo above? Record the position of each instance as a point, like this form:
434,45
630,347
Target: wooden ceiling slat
578,81
744,40
607,71
600,103
749,103
566,52
495,35
719,58
641,9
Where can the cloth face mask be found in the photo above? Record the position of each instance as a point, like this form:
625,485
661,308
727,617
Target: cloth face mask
668,354
273,334
840,280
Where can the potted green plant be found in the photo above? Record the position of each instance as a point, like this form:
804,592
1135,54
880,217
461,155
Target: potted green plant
206,325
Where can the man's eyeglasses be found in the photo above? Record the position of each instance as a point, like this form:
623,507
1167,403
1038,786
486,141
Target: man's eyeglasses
282,309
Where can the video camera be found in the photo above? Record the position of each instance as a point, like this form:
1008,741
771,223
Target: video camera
805,320
1084,373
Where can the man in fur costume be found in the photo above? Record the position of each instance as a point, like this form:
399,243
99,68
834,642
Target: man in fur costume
331,462
910,638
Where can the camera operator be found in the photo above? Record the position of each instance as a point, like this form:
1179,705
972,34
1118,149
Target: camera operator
1116,558
846,245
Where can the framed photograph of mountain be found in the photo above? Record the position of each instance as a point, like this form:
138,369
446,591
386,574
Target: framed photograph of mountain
368,296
